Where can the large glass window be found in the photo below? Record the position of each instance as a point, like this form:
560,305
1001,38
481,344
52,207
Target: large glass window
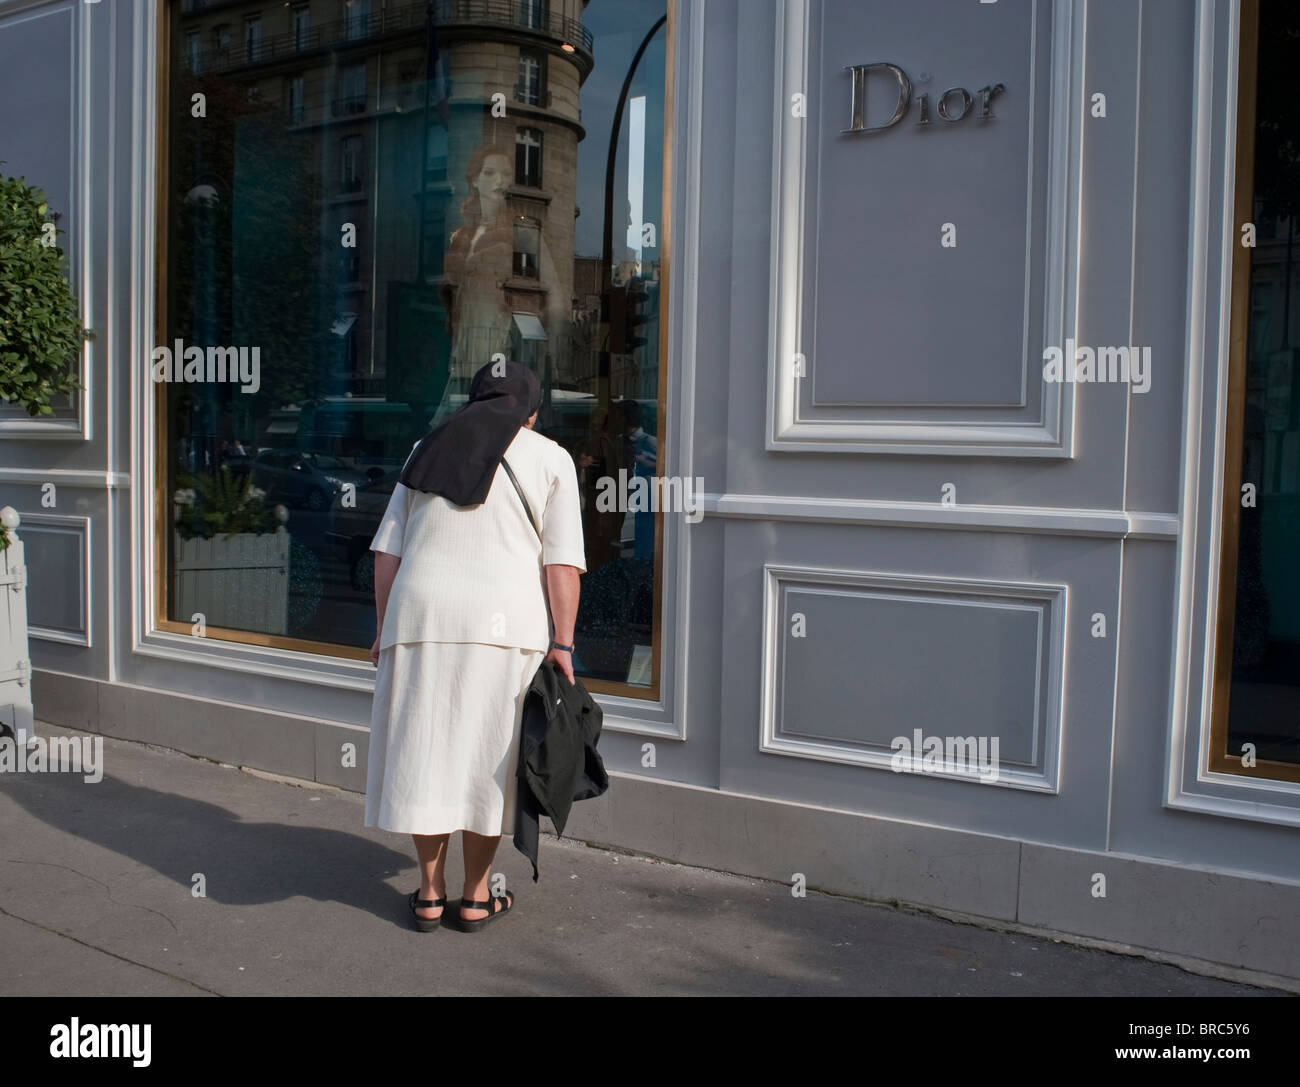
1256,729
344,245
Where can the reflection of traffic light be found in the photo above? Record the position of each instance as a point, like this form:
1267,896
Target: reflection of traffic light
643,308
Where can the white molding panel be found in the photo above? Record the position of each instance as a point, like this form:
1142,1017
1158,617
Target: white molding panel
795,426
1049,601
34,524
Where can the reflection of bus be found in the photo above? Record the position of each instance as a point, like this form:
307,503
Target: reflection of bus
360,431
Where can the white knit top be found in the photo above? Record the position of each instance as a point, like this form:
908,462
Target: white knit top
474,573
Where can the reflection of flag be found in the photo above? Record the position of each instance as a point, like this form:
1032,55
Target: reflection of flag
434,71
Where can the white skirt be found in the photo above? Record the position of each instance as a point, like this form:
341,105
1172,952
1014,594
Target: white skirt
444,737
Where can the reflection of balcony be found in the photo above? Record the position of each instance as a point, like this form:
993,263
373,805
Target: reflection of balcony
404,19
353,103
512,13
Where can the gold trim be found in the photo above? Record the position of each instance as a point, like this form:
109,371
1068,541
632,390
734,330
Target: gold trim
163,572
271,641
162,466
1220,760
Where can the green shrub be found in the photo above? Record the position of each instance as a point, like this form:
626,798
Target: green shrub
221,504
40,329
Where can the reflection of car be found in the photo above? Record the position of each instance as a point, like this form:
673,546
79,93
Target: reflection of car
353,525
304,479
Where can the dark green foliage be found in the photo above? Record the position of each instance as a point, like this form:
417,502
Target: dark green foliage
224,504
40,329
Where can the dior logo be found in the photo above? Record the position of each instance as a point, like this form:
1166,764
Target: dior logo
953,105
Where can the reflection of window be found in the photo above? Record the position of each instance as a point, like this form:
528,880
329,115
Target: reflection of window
349,265
532,13
527,244
252,38
193,51
221,40
350,157
356,19
301,26
352,96
295,99
529,88
435,165
528,157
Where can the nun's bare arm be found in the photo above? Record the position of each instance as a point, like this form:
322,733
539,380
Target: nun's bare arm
563,586
385,570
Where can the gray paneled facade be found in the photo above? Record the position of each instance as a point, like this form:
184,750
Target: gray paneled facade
906,528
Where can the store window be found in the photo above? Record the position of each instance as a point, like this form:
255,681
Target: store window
342,258
1256,722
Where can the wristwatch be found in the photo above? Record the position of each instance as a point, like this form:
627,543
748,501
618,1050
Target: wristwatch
566,648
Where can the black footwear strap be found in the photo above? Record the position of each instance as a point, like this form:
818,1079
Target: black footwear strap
427,903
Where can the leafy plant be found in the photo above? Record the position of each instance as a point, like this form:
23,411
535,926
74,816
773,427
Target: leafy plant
40,328
223,504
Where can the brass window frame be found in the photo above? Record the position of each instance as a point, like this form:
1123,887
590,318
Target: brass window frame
1218,758
162,541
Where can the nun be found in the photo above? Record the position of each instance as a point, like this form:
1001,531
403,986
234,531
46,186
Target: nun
465,562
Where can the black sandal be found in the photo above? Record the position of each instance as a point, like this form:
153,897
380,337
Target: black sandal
456,921
426,924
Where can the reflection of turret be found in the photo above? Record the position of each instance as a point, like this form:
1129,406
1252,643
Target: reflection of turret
354,91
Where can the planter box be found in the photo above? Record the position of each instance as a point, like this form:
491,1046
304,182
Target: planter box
15,665
240,582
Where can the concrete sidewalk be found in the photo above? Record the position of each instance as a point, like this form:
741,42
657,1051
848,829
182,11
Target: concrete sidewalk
301,899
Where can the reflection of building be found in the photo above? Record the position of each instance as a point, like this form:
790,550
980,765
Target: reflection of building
353,78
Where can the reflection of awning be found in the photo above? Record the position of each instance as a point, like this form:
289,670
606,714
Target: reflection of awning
530,328
283,426
344,322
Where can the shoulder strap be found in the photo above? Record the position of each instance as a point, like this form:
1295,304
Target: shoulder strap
520,491
550,621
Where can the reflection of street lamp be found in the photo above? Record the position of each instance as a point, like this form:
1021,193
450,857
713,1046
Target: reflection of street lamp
607,246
